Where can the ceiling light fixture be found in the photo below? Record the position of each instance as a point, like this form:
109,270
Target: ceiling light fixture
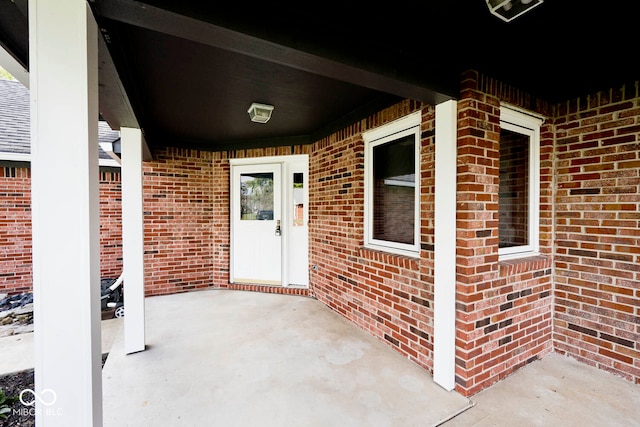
508,10
260,113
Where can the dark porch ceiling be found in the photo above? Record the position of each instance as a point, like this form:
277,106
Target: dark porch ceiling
191,69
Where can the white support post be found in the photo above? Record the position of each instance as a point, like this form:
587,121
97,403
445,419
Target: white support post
444,305
63,58
133,239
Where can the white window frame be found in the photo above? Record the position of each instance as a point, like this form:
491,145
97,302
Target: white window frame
526,124
407,125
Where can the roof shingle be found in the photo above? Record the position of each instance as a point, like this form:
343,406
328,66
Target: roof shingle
15,121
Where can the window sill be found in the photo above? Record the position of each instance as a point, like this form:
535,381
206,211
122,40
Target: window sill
523,263
407,261
391,251
519,255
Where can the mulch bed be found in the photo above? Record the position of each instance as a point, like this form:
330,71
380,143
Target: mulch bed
12,385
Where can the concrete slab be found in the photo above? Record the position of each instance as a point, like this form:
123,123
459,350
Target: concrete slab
232,358
110,329
555,391
17,352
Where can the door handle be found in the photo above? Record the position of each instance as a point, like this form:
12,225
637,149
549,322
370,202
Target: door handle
278,229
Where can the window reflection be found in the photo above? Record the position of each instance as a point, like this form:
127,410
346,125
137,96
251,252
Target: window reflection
256,196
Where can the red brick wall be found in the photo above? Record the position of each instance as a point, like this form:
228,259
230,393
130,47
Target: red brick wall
504,308
390,296
178,221
15,228
110,224
597,261
220,215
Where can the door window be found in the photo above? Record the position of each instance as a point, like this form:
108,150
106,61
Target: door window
256,196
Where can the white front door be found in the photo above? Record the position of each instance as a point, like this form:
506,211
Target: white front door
256,222
269,221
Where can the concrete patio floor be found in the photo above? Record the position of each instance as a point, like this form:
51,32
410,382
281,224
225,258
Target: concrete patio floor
555,391
233,358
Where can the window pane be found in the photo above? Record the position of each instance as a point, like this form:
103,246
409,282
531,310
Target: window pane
256,196
298,199
394,183
514,189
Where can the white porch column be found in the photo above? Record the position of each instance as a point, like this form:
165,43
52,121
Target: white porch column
444,305
133,239
66,237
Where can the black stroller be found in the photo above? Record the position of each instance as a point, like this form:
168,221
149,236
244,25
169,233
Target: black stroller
112,295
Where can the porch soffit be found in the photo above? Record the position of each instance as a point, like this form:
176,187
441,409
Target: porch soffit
186,72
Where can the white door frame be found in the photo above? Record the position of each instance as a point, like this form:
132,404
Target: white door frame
286,219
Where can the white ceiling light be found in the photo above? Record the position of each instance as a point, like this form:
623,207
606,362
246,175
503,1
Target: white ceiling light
508,10
260,113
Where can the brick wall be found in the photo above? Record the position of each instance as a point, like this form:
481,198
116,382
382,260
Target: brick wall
15,228
110,223
221,231
597,261
178,219
388,295
504,307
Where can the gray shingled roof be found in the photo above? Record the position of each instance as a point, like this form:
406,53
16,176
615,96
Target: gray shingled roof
15,126
14,117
